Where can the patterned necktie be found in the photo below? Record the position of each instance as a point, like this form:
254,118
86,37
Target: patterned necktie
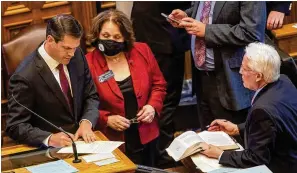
65,86
200,48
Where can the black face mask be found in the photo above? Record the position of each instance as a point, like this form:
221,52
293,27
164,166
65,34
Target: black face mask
110,47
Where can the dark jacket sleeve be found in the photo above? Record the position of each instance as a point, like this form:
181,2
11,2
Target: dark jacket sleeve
279,6
241,128
90,96
18,125
250,28
261,134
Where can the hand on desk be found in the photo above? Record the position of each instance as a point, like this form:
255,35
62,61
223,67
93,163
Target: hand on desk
60,139
225,126
85,131
211,151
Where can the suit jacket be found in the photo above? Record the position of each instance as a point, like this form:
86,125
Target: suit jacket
34,86
152,28
270,132
149,87
283,6
235,25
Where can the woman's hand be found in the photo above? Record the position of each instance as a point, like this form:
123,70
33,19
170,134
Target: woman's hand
118,122
146,114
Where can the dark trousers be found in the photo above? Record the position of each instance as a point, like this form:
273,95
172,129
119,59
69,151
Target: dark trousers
208,100
172,67
137,152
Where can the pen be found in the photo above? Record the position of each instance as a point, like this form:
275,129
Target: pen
208,126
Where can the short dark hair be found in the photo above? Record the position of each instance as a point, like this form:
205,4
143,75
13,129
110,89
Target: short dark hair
117,17
63,24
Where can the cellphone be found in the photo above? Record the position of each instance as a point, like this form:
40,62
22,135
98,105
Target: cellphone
167,17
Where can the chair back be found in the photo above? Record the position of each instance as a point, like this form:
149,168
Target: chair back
22,45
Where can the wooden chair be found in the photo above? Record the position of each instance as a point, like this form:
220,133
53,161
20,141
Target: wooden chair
13,52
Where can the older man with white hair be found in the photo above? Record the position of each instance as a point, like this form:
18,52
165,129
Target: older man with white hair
270,131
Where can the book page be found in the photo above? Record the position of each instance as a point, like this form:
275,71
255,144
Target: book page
217,138
183,143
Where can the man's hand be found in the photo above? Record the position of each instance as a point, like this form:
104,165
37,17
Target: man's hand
193,26
85,131
275,20
212,151
225,126
178,15
146,114
118,122
60,140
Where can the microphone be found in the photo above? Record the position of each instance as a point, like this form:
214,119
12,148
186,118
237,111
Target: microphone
76,159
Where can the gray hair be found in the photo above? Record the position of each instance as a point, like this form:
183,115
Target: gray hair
263,58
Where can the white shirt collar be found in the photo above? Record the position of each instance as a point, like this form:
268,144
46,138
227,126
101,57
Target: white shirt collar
51,62
257,92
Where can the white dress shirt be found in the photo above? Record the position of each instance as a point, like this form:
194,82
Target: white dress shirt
53,64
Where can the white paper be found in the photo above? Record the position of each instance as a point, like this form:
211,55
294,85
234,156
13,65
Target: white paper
256,169
106,162
206,164
96,157
294,26
94,147
216,138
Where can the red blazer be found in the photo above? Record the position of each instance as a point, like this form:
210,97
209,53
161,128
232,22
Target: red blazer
149,87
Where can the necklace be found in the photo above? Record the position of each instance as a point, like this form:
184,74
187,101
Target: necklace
114,59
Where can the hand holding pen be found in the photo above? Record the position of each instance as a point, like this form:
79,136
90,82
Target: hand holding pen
225,126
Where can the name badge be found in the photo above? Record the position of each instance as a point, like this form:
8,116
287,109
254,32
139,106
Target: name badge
104,77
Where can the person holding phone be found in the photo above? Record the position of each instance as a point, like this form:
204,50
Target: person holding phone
130,84
220,30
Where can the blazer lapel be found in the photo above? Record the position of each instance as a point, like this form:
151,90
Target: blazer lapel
135,74
195,9
50,80
111,82
74,82
217,10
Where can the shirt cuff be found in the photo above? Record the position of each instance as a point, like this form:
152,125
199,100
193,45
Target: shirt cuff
86,120
45,142
220,156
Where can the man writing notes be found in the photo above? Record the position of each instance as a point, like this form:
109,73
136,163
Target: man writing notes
270,131
53,81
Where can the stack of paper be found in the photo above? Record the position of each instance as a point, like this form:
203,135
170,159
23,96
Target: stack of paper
94,147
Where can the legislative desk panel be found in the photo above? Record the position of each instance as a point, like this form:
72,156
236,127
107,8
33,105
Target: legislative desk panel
15,158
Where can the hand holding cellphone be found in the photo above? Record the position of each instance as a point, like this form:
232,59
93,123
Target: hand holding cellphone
167,17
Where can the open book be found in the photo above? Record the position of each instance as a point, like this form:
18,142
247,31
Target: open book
188,143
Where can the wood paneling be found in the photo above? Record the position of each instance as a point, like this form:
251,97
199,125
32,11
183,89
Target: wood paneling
17,15
292,18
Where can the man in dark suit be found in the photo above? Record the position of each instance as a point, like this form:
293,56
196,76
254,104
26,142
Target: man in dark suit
269,133
168,45
54,81
220,30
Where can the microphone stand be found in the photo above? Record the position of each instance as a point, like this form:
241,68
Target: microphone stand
76,159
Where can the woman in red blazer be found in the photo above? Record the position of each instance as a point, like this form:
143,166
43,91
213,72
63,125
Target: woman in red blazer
130,85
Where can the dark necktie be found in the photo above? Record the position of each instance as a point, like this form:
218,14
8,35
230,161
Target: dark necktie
65,86
200,48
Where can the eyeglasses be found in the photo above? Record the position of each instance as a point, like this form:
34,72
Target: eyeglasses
134,120
242,69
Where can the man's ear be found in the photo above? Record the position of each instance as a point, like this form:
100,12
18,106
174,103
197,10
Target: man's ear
259,77
50,39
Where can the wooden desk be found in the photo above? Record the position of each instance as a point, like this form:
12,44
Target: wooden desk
124,165
286,39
